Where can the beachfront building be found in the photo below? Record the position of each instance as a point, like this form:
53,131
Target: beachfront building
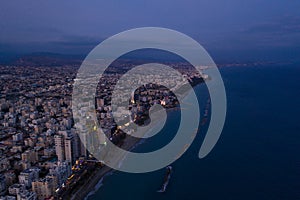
60,173
43,188
59,147
67,146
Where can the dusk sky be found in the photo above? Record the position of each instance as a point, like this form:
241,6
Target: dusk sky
262,28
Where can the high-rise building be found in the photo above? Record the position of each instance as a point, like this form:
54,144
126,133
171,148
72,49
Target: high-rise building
69,140
76,144
43,188
59,147
83,140
61,171
67,146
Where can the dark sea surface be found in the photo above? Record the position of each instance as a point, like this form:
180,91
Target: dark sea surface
257,156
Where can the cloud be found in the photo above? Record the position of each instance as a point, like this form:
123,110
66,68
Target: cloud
77,41
280,32
286,25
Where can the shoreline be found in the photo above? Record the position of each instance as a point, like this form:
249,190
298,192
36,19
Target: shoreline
99,174
89,188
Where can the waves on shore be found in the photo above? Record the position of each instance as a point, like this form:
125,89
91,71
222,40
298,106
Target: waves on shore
100,183
137,144
97,186
133,147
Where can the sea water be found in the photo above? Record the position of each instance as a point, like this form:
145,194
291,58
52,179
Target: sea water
256,157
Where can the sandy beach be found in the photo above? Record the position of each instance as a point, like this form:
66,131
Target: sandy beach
98,174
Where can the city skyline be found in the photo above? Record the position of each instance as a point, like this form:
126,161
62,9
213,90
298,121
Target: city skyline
135,99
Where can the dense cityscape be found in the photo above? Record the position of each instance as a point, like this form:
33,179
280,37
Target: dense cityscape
42,156
151,100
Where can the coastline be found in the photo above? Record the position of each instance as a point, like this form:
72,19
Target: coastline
88,189
90,186
97,177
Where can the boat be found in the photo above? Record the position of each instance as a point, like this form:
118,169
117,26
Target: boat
166,179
